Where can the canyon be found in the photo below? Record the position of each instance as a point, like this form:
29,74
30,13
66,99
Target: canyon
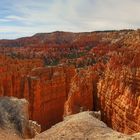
63,73
83,125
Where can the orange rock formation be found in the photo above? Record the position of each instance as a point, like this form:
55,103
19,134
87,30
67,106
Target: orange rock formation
119,93
110,58
80,96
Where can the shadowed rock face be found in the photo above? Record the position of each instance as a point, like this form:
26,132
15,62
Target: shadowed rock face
80,96
14,116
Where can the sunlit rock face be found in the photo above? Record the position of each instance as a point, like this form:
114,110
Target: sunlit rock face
119,93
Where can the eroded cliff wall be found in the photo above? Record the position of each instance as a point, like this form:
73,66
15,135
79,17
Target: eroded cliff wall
81,93
52,91
119,93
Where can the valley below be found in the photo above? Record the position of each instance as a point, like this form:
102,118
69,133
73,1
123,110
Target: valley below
88,83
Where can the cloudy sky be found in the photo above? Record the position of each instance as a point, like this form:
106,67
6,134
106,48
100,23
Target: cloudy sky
26,17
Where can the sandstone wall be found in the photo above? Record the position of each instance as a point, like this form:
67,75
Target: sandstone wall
46,89
119,97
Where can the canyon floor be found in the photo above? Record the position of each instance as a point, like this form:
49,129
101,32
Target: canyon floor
66,75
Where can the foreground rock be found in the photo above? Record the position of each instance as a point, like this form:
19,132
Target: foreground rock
14,119
83,126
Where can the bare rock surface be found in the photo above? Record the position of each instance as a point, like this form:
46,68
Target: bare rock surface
83,126
14,119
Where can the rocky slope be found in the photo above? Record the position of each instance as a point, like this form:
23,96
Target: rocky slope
83,126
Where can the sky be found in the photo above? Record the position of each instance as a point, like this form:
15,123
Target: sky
20,18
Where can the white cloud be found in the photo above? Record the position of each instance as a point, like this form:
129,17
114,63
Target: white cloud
14,17
4,20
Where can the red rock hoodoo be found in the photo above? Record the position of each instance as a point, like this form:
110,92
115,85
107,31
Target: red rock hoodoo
58,74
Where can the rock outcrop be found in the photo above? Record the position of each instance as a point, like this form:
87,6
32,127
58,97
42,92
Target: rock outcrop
14,119
83,126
